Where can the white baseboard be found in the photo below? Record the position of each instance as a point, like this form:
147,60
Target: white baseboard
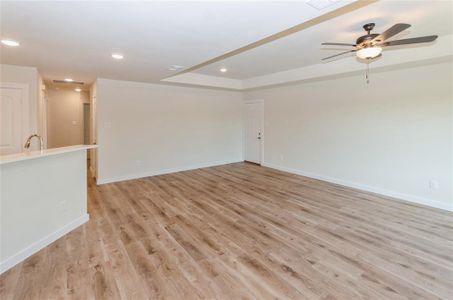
384,192
35,247
164,171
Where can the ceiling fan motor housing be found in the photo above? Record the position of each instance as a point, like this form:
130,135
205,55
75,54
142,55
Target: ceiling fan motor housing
365,40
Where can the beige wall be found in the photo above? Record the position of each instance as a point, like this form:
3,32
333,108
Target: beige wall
147,129
65,117
393,136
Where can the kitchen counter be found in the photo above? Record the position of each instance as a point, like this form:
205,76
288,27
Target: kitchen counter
5,159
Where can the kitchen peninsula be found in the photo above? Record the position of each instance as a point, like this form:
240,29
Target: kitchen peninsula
43,197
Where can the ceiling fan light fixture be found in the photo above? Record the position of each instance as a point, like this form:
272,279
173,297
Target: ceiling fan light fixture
117,56
369,52
10,43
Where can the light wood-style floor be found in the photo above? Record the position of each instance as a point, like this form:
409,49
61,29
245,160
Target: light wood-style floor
242,231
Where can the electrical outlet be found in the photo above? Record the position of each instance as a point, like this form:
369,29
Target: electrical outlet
282,157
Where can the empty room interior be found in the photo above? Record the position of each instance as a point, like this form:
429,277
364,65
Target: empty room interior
226,149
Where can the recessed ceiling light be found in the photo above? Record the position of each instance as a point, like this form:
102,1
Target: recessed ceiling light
10,43
175,67
78,90
68,79
117,56
223,70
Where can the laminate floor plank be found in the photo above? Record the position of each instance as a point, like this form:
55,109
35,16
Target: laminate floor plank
242,231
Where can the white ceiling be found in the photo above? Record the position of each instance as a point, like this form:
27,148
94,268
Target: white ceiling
75,38
304,48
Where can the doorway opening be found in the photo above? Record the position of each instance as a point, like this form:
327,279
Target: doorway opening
69,118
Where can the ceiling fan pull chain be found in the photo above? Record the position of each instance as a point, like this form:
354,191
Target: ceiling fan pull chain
367,76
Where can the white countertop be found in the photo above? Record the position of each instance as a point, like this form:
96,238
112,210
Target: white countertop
5,159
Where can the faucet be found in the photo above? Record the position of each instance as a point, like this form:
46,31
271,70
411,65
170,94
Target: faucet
27,143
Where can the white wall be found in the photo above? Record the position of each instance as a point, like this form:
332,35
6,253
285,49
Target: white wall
392,136
65,117
146,129
30,77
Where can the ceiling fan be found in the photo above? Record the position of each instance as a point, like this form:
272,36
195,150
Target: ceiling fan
370,46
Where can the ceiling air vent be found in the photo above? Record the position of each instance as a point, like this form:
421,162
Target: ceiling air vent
321,4
66,82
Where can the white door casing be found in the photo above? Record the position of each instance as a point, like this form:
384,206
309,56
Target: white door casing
14,117
86,126
44,113
93,135
253,131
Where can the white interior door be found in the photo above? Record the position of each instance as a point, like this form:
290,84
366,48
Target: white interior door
13,119
253,131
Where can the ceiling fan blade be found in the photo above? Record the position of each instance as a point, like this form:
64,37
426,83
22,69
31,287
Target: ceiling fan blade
337,44
329,57
395,29
421,39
